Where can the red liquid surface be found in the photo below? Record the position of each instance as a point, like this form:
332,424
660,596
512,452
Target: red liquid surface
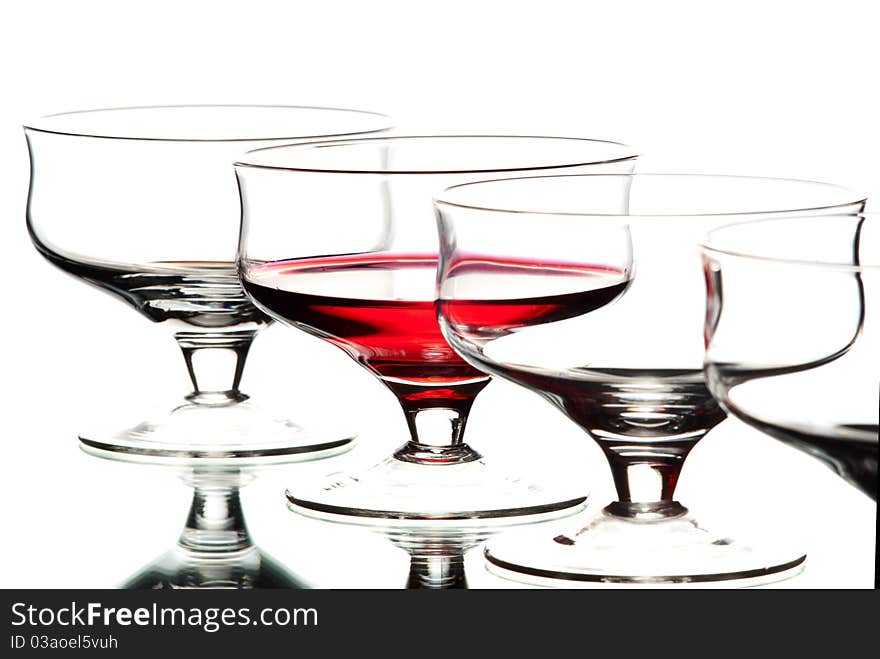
380,308
560,291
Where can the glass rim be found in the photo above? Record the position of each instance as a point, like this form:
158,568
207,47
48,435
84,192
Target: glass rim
243,163
36,127
439,199
707,247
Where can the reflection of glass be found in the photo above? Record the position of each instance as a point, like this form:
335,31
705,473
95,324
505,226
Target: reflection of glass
215,549
339,239
586,289
141,202
793,334
436,558
436,547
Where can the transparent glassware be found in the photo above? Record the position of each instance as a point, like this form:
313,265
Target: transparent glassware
215,549
338,239
142,203
587,290
436,547
793,334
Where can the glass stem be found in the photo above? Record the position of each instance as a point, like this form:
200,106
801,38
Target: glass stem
215,361
215,523
436,418
437,556
436,571
645,475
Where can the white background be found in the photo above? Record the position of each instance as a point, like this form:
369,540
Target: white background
769,88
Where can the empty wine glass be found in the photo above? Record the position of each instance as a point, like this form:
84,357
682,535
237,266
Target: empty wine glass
793,334
142,203
587,290
338,239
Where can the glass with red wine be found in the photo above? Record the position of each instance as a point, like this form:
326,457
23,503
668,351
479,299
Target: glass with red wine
587,290
339,240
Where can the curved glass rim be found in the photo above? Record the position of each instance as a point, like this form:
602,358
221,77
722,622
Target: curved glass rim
34,125
391,138
706,246
440,201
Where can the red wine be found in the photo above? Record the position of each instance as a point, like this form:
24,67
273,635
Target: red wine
560,290
380,308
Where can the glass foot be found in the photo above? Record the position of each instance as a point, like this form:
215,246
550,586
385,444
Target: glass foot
436,547
247,568
230,429
640,549
401,490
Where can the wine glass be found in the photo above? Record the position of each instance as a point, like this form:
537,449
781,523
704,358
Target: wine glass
586,290
792,335
141,203
338,239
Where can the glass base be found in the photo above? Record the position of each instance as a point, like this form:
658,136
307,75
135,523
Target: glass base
247,568
399,490
639,549
437,548
237,430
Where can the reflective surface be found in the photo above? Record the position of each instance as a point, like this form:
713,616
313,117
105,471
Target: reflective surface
436,547
215,549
